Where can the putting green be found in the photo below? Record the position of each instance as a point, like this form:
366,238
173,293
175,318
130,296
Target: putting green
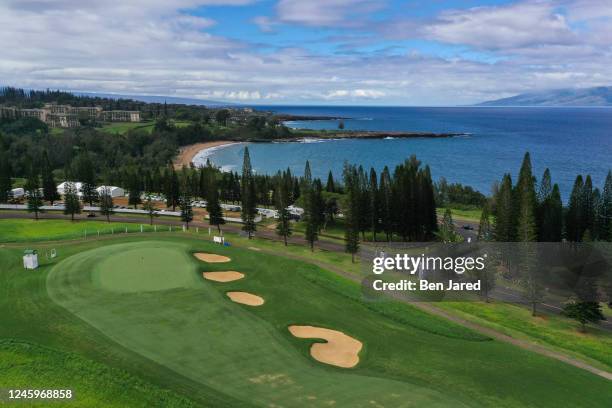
145,269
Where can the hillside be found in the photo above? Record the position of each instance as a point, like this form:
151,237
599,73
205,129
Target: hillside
600,96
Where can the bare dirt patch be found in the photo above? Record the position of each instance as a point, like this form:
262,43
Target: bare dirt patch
211,258
225,276
339,350
245,298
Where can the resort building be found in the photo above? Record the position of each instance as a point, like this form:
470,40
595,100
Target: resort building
121,116
66,116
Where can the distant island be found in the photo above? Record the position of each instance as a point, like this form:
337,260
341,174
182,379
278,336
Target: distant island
599,96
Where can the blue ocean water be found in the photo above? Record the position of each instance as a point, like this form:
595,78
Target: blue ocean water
569,141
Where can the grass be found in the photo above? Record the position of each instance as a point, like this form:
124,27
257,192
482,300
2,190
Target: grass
186,336
30,230
119,128
559,332
26,365
461,214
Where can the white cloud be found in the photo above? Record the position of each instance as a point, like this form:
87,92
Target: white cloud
524,24
355,94
152,47
325,12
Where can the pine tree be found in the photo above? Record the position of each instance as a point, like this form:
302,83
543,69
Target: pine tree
49,187
574,217
526,203
171,188
215,212
72,205
331,185
33,194
446,233
428,218
5,176
313,210
605,210
552,218
135,191
588,206
386,213
307,180
186,209
351,214
374,203
504,227
106,204
283,227
247,194
150,208
86,173
485,231
584,312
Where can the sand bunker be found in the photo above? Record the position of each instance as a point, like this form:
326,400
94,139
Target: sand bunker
245,298
226,276
340,350
211,258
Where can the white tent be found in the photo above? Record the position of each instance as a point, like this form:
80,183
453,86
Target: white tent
114,191
17,192
61,189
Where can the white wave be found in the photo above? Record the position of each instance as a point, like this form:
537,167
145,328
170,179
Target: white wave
202,155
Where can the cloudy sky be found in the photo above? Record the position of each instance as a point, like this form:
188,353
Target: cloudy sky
365,52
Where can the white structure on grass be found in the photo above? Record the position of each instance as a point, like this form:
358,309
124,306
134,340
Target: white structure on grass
17,192
61,189
30,259
113,191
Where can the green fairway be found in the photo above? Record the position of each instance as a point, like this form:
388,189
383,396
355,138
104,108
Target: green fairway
120,128
29,366
409,358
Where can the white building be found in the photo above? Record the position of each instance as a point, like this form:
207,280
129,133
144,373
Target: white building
30,259
61,189
17,192
295,210
113,191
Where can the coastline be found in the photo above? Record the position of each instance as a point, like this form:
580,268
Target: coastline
188,153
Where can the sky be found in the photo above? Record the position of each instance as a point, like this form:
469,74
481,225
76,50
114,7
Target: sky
328,52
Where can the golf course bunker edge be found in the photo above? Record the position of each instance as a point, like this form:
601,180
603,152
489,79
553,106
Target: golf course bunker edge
211,258
245,298
223,276
339,349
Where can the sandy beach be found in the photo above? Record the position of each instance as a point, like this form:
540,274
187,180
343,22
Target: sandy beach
187,153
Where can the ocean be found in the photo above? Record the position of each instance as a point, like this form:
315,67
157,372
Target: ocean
569,141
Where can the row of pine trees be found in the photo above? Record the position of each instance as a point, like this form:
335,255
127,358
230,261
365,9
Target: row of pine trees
531,212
